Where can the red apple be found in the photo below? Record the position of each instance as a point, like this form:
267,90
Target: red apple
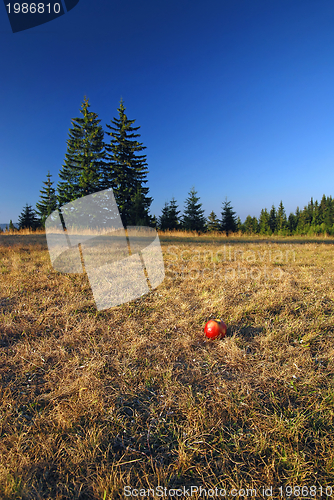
215,328
223,328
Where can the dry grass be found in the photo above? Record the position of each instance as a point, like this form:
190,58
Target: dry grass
94,401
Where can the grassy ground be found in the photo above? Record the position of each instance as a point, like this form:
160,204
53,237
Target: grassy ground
135,396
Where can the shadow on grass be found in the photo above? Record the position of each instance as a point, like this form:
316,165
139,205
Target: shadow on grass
40,239
12,240
238,241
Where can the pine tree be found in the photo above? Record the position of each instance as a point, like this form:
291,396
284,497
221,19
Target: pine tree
213,222
28,218
48,199
318,215
228,220
164,218
193,217
304,221
264,222
169,218
81,173
329,214
281,221
297,219
124,171
174,221
323,207
137,214
272,219
249,224
11,226
309,212
255,225
292,223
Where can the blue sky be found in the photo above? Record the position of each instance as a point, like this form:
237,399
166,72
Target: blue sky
233,97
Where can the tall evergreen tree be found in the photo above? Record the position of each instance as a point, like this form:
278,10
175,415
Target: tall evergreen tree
281,221
48,199
164,218
213,222
317,214
228,220
193,217
28,218
174,213
255,225
125,171
248,225
137,214
329,214
272,219
309,212
81,173
264,222
169,218
304,221
323,207
292,223
297,218
11,226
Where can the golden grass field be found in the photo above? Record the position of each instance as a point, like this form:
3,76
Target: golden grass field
92,402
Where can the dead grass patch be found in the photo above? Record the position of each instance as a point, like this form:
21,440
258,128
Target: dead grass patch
94,401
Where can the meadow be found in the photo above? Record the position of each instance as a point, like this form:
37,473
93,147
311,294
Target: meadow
136,396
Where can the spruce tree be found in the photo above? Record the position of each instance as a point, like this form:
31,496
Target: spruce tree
28,218
309,212
48,199
264,222
255,225
281,221
137,214
228,220
323,207
329,214
81,173
11,226
125,171
297,219
213,222
164,218
249,224
174,220
304,221
193,217
169,218
318,214
272,219
292,223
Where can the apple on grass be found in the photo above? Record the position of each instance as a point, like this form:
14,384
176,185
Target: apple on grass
215,328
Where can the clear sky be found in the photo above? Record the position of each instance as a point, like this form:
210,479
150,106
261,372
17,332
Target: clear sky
234,97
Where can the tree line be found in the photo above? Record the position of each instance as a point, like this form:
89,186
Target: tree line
315,218
93,164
